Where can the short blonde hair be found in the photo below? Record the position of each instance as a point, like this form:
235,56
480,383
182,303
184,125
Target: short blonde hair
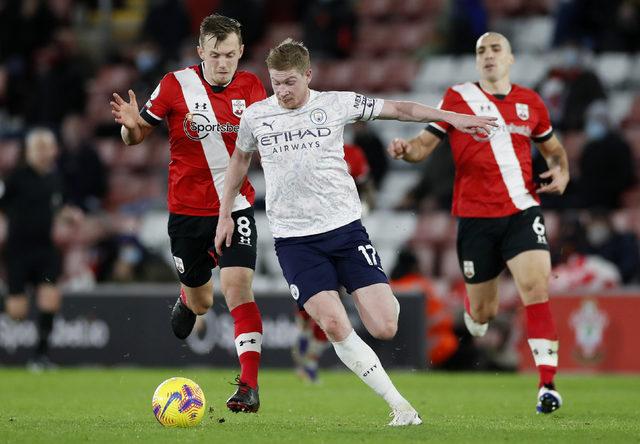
289,55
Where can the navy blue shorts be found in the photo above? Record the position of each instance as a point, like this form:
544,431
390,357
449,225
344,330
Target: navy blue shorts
321,262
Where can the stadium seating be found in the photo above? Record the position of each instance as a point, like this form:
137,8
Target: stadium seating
390,61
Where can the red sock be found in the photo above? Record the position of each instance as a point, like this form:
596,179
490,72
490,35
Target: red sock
183,297
319,333
543,340
248,334
467,304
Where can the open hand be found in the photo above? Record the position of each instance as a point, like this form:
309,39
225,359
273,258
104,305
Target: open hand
125,113
224,233
472,124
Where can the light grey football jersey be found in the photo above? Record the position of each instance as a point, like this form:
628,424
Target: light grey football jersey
309,189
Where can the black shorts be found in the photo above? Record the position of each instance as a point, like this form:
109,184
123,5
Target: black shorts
31,265
193,249
486,244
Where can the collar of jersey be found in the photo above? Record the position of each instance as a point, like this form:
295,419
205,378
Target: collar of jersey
215,88
497,96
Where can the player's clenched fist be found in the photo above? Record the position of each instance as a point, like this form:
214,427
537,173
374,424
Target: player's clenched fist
398,148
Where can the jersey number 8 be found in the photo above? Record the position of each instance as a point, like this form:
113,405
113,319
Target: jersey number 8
244,226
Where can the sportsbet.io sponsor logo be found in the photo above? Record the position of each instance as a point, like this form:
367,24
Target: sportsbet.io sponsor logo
198,126
78,332
510,128
216,331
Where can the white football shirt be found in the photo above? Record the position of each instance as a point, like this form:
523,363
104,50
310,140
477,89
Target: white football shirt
309,189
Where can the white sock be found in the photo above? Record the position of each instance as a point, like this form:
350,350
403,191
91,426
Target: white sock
545,351
363,361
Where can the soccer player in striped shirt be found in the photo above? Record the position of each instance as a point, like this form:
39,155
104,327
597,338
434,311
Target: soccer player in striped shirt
202,105
496,202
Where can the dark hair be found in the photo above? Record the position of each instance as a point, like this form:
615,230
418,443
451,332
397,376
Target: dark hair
220,27
289,55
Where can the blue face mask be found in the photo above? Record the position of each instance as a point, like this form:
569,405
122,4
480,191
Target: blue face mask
570,58
146,61
595,130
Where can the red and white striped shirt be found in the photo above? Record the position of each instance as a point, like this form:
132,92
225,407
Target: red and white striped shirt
203,123
493,174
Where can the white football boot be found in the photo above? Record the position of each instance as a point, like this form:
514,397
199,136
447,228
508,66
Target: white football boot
405,416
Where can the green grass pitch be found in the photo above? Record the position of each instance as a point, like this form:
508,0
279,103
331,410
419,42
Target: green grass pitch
114,406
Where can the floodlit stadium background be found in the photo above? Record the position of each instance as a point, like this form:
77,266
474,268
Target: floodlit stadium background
60,60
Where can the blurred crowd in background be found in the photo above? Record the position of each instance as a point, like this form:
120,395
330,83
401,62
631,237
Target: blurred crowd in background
60,60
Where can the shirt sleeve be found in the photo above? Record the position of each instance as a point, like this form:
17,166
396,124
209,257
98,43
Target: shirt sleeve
360,107
441,128
160,102
543,130
246,141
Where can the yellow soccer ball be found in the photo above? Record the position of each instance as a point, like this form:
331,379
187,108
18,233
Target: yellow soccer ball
178,402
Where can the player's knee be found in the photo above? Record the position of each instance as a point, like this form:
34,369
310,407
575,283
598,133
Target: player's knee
534,291
237,294
483,313
202,306
385,330
200,303
334,327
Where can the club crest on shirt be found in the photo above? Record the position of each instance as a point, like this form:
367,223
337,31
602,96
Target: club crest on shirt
522,110
238,106
318,116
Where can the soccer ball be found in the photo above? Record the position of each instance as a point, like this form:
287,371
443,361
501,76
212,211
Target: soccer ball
178,402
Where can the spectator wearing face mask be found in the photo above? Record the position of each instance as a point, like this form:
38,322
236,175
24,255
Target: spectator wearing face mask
607,166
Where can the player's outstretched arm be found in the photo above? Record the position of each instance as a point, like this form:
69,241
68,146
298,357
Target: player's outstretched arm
134,128
235,174
415,149
416,112
558,173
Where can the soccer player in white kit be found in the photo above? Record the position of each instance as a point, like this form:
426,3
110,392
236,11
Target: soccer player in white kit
314,211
